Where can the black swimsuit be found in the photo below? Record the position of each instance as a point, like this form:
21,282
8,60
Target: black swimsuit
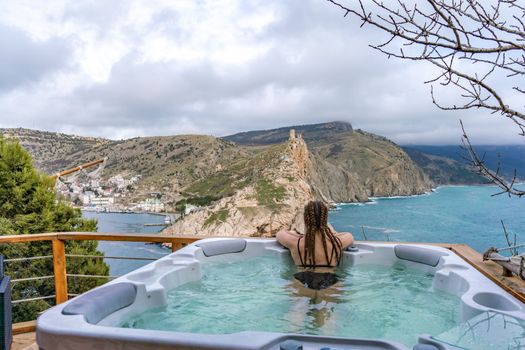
316,280
313,279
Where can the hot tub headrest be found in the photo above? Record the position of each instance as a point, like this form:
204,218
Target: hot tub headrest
223,246
417,254
101,302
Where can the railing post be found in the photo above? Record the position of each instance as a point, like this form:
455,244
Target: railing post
59,268
176,245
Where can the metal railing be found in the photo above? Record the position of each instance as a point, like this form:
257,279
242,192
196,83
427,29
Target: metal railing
59,256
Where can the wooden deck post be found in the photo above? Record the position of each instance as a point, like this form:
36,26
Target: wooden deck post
59,268
176,245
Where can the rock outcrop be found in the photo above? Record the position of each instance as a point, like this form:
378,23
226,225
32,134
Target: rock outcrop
278,189
270,190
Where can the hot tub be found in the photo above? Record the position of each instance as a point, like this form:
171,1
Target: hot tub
127,313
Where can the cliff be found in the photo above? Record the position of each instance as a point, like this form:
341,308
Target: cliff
381,166
268,190
265,193
372,165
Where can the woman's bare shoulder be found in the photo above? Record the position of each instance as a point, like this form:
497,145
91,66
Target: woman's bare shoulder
287,238
346,238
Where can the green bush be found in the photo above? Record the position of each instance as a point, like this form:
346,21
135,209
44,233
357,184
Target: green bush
268,194
28,204
218,216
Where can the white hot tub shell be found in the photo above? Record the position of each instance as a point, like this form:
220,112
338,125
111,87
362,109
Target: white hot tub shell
91,320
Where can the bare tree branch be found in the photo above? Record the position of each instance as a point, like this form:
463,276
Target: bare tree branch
449,34
494,177
472,44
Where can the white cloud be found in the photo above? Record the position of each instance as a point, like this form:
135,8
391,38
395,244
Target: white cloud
121,69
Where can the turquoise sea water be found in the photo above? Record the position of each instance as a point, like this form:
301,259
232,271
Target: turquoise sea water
451,214
260,294
127,223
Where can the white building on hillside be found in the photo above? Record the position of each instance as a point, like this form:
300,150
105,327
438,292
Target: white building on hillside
152,205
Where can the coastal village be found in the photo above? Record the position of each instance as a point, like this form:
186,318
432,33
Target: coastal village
107,195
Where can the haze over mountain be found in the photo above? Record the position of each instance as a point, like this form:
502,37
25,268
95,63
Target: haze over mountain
507,158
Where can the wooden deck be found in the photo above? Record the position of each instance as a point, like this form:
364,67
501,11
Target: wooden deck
24,333
24,341
513,285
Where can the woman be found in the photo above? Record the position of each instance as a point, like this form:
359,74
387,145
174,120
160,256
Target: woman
319,250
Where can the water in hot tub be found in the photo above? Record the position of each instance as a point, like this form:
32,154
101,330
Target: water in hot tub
260,294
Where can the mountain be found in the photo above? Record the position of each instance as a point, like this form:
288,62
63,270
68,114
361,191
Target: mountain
443,170
50,150
507,157
312,132
249,189
262,194
378,164
441,164
166,164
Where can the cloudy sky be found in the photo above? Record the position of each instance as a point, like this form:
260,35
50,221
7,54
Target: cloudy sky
121,69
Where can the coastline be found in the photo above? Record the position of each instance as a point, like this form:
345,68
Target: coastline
374,200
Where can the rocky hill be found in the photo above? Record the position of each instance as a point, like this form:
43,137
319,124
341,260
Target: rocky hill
263,193
167,164
260,194
338,142
51,150
377,164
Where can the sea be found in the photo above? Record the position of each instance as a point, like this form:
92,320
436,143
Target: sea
128,223
449,214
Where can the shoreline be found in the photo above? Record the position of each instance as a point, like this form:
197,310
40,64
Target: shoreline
127,212
374,200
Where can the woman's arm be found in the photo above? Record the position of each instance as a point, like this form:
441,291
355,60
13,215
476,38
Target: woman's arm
347,239
287,238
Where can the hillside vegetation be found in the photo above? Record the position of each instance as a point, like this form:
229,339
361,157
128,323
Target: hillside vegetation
343,164
262,193
167,164
51,151
507,158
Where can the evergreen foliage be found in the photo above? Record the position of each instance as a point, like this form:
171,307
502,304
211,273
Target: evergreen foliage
28,205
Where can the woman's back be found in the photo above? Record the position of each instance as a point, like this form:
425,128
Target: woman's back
319,246
321,259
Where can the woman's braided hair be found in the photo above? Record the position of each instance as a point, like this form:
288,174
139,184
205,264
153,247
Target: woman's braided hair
316,222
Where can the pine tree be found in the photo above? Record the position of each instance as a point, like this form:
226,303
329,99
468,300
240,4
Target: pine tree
28,205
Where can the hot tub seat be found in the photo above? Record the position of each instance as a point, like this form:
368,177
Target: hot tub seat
101,302
223,246
418,254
